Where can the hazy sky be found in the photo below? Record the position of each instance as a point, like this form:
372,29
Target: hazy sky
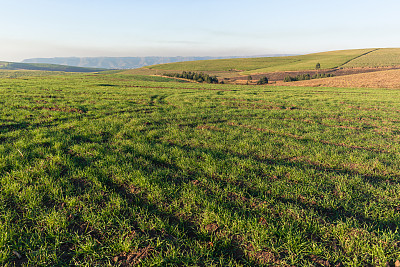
57,28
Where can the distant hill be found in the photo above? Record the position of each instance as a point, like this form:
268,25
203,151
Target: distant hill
44,67
122,62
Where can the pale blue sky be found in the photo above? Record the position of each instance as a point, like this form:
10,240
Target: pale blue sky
56,28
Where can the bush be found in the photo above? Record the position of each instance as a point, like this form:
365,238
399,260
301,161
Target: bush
288,79
263,80
302,77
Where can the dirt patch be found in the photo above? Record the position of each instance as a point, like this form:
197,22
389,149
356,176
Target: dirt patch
211,228
319,261
133,258
262,257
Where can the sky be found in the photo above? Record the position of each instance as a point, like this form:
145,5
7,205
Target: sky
88,28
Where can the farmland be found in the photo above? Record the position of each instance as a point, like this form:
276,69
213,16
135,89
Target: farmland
377,58
338,63
327,60
118,169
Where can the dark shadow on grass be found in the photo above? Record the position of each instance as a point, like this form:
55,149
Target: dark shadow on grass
187,225
107,85
332,215
27,125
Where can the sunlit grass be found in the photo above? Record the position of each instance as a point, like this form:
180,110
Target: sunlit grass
117,170
248,66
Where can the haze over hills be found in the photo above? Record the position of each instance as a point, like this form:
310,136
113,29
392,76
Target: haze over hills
45,67
126,62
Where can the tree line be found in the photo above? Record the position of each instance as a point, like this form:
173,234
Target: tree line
198,77
302,77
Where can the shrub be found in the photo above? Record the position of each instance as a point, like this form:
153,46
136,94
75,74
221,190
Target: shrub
263,80
288,79
302,77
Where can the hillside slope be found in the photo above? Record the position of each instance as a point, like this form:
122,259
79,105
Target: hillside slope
379,58
327,60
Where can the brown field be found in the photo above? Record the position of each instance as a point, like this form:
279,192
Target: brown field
379,79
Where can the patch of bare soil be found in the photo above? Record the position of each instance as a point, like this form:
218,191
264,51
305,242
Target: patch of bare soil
132,258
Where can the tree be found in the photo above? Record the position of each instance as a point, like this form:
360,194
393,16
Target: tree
318,66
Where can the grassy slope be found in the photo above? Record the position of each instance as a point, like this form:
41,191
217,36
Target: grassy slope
379,58
268,64
105,169
44,67
27,73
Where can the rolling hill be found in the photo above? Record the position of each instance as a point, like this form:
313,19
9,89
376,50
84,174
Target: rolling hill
336,63
378,58
44,67
122,62
331,59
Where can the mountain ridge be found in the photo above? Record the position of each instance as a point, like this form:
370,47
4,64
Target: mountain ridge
127,62
4,65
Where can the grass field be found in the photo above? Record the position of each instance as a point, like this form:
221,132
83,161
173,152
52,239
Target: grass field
119,169
378,58
27,73
248,66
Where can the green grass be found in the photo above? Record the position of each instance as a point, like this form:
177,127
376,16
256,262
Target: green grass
26,73
327,60
116,169
379,58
